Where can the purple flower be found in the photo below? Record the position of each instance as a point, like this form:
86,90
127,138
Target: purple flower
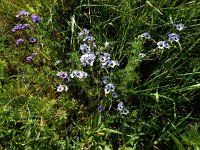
17,27
32,40
62,75
145,35
40,45
26,26
100,108
19,41
84,32
22,13
35,18
29,58
174,37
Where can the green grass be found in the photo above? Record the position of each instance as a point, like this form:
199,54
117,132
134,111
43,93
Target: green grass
161,90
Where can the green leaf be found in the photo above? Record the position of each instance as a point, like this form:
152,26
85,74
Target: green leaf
177,142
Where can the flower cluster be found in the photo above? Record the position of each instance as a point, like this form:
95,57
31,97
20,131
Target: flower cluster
22,14
20,27
78,74
88,59
106,62
122,109
34,18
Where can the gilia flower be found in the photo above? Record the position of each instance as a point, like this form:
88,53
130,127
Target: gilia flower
162,44
35,19
145,35
109,88
100,108
179,26
174,37
60,88
62,75
113,63
19,41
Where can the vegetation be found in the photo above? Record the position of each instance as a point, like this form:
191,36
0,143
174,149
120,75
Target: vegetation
133,85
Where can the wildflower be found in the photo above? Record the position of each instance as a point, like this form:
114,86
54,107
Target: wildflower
60,88
62,75
89,39
100,108
106,45
29,58
34,54
145,35
179,26
17,27
174,37
162,44
124,111
105,80
78,74
32,40
88,59
35,19
19,41
142,55
84,49
104,57
114,95
22,13
84,32
26,26
57,62
40,45
120,106
113,63
109,88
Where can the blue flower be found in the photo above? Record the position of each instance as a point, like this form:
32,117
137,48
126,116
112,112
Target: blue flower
40,45
19,41
174,37
22,14
145,35
109,88
62,75
29,58
100,108
32,40
114,95
163,44
35,19
84,32
179,26
26,26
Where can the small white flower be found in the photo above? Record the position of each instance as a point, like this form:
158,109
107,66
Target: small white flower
174,37
113,63
60,88
179,26
120,106
124,111
142,55
106,45
57,62
109,88
145,35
